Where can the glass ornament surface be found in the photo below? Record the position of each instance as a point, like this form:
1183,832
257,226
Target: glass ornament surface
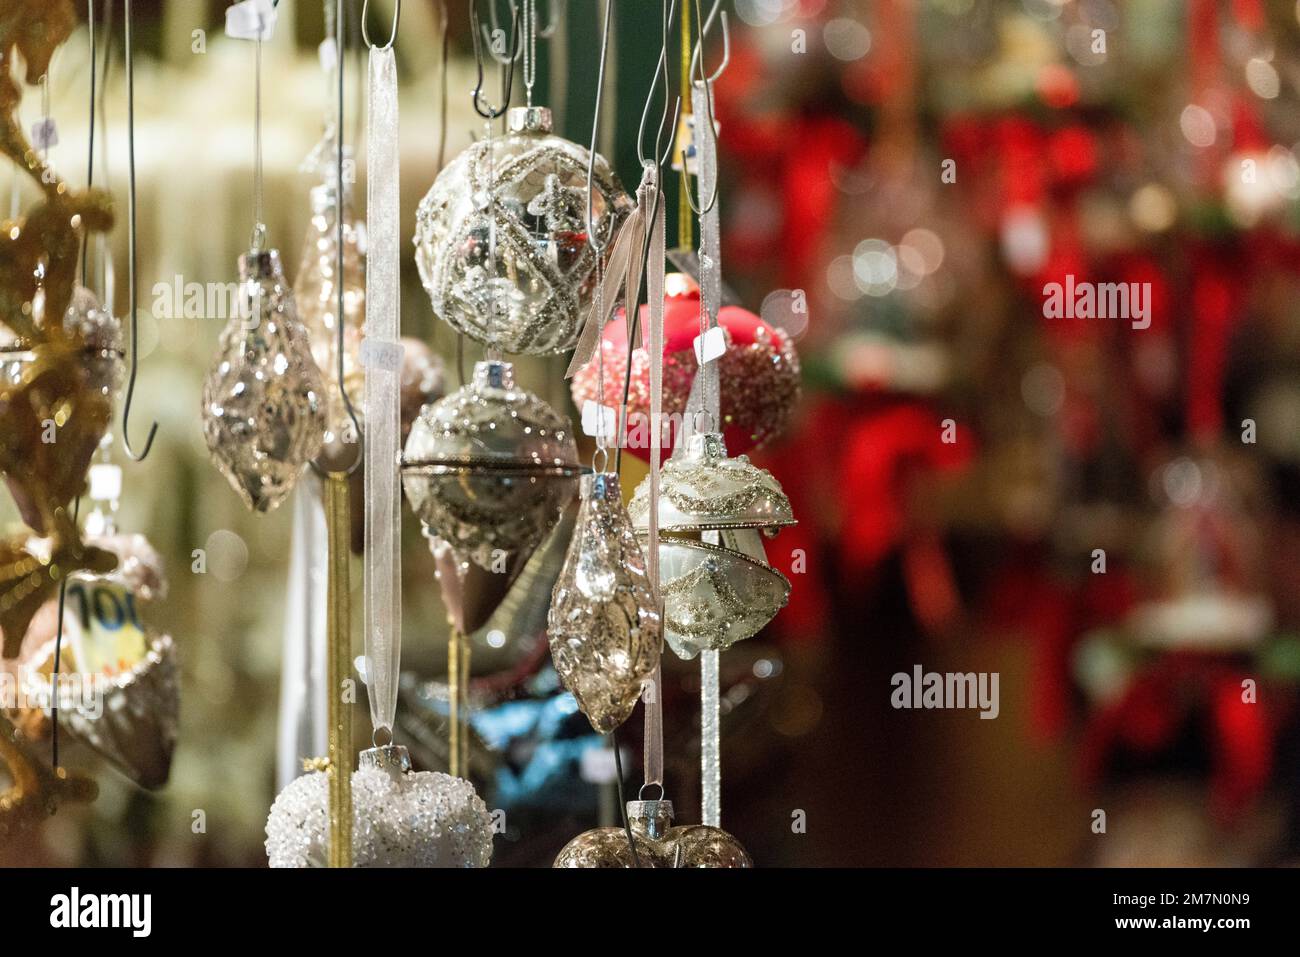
715,596
702,488
101,335
315,292
490,467
658,843
501,236
264,409
400,817
604,627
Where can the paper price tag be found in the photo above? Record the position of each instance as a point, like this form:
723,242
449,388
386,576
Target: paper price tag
598,419
250,20
104,627
710,345
384,356
45,134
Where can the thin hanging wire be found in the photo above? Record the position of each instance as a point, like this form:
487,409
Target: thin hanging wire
259,227
490,112
90,151
700,207
132,249
444,37
530,48
365,31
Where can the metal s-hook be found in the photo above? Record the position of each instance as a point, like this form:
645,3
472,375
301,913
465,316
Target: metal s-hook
365,31
557,10
488,33
704,31
661,68
597,245
706,84
128,55
492,112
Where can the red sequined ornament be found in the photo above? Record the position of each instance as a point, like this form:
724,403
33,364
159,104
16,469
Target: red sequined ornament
759,375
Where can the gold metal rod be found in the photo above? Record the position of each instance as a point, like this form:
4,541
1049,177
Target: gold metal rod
339,634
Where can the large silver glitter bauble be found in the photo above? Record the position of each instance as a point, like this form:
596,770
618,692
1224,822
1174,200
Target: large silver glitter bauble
501,237
658,843
264,408
400,818
603,626
716,584
489,468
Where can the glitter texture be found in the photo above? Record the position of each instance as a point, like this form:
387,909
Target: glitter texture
490,466
501,237
263,401
400,819
603,626
658,843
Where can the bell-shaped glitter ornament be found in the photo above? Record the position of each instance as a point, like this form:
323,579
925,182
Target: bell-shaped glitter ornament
489,468
604,628
501,237
658,843
716,583
702,488
315,291
400,818
263,402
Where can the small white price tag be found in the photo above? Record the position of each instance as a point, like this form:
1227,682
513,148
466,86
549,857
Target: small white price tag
384,356
328,53
597,766
250,20
710,345
598,419
45,134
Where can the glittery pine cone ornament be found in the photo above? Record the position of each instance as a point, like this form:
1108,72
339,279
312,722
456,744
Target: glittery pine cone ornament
489,468
501,237
264,414
716,584
759,373
603,626
658,843
400,817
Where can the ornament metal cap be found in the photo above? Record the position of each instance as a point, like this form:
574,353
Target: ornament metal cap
655,816
529,119
393,758
260,264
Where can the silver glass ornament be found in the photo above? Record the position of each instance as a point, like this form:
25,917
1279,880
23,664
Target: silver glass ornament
716,584
264,406
400,817
501,237
658,843
489,468
604,626
102,335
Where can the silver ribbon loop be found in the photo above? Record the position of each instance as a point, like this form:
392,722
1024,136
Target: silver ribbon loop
383,580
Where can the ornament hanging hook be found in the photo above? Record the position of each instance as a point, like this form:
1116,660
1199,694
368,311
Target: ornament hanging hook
597,244
660,69
365,31
490,112
706,85
129,57
557,10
